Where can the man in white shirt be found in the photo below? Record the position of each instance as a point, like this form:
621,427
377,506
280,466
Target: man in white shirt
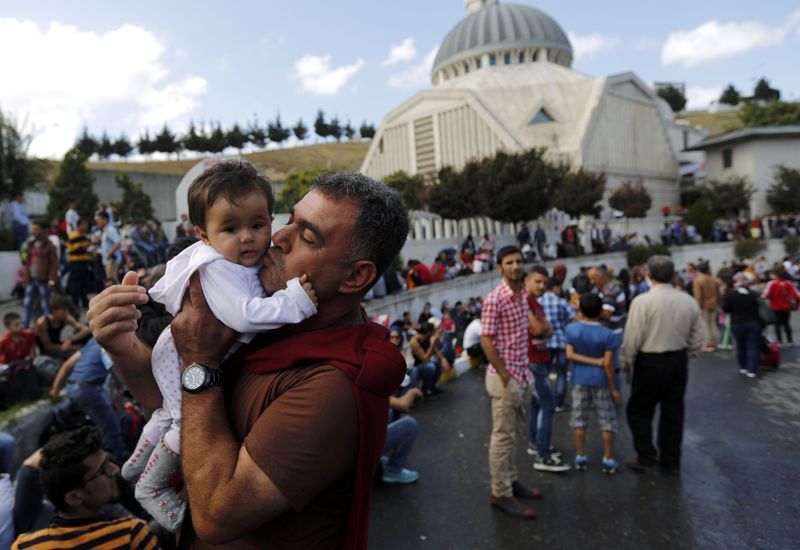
110,243
20,223
72,217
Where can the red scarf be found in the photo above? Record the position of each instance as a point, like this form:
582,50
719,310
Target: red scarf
375,367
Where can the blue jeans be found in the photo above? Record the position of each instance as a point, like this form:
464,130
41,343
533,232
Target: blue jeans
400,437
540,414
558,364
429,374
93,400
35,288
748,344
7,443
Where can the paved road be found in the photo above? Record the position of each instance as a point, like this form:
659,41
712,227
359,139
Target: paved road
738,487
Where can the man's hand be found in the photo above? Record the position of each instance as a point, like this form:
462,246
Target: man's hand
54,395
312,294
626,368
199,336
505,377
616,397
446,366
113,315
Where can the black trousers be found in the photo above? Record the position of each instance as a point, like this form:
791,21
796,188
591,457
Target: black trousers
80,274
783,318
659,379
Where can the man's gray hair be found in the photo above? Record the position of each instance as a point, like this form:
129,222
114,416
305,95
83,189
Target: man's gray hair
661,268
382,224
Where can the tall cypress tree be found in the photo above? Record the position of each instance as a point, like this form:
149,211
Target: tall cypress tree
73,183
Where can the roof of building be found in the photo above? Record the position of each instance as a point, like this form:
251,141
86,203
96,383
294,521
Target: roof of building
747,134
498,27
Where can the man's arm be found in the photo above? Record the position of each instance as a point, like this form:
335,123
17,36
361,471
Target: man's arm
112,319
63,373
697,334
540,329
634,334
608,367
490,350
218,470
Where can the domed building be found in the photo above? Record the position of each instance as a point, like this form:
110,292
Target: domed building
502,81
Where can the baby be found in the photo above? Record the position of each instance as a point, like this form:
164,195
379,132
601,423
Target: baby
230,206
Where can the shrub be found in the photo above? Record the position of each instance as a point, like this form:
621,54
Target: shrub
639,254
6,239
792,245
701,215
748,248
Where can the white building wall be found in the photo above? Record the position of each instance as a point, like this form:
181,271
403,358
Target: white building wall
393,152
767,156
462,136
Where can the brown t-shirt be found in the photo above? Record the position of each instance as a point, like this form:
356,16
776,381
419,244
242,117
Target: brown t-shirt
301,427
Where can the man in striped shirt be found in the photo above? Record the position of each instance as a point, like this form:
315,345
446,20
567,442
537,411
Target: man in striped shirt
80,263
509,382
79,480
614,310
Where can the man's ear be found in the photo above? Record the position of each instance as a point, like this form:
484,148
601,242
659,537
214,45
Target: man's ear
201,234
74,498
362,275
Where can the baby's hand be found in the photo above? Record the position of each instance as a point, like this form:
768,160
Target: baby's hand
312,294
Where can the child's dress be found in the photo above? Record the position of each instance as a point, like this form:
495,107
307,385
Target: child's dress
235,297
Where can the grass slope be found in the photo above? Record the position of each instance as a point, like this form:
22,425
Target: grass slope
276,164
715,123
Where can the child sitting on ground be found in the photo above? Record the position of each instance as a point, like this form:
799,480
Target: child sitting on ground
590,347
230,206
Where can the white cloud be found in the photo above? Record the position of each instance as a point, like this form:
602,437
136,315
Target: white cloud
699,97
317,76
713,40
416,76
62,77
405,51
591,44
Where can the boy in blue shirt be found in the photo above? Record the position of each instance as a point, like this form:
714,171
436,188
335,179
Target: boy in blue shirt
591,348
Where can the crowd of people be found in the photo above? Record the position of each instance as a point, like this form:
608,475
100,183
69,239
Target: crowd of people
138,388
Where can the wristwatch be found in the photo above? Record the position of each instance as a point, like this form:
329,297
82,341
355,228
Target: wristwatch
198,377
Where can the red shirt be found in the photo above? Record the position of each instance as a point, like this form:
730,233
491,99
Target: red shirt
425,276
537,347
780,293
14,349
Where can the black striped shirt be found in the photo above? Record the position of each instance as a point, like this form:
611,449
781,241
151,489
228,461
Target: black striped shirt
93,533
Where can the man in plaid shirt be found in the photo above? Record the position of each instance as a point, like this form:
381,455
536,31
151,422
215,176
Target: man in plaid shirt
558,313
509,381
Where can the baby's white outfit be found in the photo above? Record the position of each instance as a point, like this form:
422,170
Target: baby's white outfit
235,296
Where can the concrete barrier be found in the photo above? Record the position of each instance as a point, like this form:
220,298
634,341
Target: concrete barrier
9,264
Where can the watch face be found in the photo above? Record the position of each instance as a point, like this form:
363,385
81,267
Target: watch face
193,378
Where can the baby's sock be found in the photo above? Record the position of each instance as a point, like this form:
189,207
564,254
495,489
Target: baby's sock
135,464
154,492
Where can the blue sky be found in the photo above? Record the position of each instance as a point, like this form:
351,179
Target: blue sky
137,65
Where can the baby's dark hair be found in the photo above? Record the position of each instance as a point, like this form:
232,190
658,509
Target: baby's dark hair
591,305
229,180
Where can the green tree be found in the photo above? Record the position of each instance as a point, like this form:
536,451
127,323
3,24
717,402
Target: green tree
236,138
774,113
451,198
166,141
105,147
300,130
257,134
122,147
580,193
639,254
146,145
18,172
348,130
410,188
731,196
673,96
86,143
784,195
701,214
217,141
632,199
296,185
134,204
366,131
748,248
764,92
730,96
73,183
335,129
321,127
277,132
194,140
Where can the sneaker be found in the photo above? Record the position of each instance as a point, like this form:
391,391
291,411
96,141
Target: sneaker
707,348
742,371
750,374
581,463
403,476
532,451
610,466
551,464
562,408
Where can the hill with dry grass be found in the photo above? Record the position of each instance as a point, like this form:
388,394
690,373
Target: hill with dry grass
715,123
276,164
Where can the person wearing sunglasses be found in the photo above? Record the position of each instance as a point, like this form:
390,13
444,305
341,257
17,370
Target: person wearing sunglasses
79,479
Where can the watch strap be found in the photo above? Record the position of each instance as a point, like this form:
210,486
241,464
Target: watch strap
213,378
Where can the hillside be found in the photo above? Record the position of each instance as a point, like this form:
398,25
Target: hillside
715,123
275,164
